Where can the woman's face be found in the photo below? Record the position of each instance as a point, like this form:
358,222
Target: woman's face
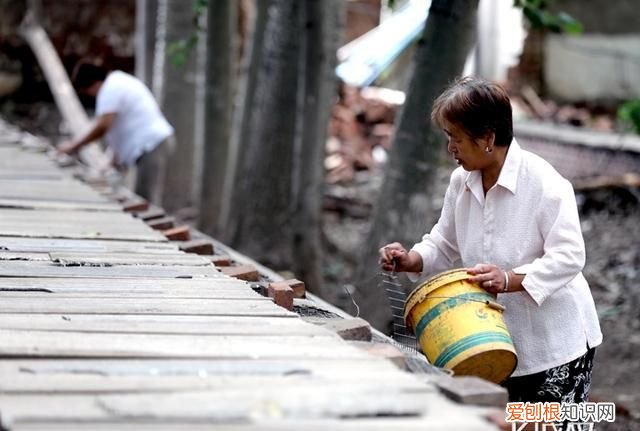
467,152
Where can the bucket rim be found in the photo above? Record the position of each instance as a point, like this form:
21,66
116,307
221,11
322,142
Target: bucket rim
418,294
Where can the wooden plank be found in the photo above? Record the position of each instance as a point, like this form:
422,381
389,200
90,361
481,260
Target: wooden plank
82,286
84,245
115,305
149,324
25,383
32,343
24,255
28,176
221,291
382,423
63,93
313,400
50,173
108,259
49,204
318,367
14,160
64,190
44,269
75,224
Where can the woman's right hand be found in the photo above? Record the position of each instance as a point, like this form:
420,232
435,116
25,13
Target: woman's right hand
394,257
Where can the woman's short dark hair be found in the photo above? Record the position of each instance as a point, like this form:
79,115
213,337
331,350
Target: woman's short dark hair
86,74
479,106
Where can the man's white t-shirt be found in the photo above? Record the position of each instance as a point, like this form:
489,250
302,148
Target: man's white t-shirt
139,126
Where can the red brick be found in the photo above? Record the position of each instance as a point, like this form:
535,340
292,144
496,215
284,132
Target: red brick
163,223
299,290
197,246
135,205
178,233
241,272
282,294
221,260
150,214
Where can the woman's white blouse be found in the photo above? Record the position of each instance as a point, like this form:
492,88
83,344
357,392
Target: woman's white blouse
527,222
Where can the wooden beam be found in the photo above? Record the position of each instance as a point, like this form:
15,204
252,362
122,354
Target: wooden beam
61,88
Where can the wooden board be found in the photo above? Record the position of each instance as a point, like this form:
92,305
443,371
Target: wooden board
82,286
7,174
45,269
84,245
61,89
222,288
27,383
75,224
109,259
48,204
221,291
319,367
154,324
64,190
24,255
313,400
34,344
117,305
13,160
465,421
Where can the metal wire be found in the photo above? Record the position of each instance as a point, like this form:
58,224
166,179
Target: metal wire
353,301
397,296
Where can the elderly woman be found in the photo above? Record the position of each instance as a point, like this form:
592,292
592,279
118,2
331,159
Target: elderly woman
512,221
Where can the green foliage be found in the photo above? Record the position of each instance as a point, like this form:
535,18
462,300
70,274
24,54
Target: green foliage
180,50
629,113
537,15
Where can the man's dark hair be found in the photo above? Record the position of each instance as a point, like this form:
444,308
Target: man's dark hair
86,74
479,106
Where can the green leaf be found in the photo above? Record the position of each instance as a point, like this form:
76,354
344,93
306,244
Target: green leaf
568,23
629,113
179,51
535,16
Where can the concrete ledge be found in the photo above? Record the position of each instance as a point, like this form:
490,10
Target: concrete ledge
576,136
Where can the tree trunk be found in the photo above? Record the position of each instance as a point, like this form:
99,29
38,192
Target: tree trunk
322,20
178,104
145,39
221,20
263,205
244,102
406,192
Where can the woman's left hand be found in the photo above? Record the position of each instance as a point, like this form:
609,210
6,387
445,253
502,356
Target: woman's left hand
489,277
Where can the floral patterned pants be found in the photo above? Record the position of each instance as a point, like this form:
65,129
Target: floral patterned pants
567,383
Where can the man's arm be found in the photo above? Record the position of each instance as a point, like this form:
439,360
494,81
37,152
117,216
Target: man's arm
98,129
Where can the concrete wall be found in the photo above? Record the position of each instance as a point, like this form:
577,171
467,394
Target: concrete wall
603,64
603,16
592,67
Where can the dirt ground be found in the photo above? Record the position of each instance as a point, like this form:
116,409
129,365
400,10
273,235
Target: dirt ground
612,236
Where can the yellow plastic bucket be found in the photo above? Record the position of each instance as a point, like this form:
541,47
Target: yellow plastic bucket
460,327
